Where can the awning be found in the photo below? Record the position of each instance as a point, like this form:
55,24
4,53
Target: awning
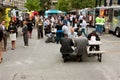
53,11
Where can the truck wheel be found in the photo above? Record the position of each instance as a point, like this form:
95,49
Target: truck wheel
117,32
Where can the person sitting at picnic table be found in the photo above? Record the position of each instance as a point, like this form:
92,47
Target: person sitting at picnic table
93,36
66,47
72,34
80,44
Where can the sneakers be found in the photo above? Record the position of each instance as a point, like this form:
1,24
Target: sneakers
25,46
4,50
12,49
1,60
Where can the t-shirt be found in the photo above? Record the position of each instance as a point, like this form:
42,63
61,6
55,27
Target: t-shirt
97,20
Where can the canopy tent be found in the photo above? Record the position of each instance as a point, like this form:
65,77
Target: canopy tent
53,11
48,12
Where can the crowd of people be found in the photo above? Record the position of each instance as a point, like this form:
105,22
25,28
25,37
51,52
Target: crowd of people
66,28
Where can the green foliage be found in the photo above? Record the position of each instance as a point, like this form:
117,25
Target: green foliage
33,5
67,5
2,14
79,4
63,5
45,4
88,4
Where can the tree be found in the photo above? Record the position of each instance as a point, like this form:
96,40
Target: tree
79,4
33,5
45,4
67,5
63,5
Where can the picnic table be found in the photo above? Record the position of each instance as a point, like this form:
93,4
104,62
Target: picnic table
94,52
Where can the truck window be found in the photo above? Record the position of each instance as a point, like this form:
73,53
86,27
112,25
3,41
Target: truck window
116,13
110,15
97,12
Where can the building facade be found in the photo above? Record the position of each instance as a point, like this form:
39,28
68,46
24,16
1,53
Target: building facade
16,3
53,3
107,2
111,2
1,2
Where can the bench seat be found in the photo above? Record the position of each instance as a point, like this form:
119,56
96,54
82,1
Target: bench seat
96,53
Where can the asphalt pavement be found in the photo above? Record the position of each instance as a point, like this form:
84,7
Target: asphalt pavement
41,61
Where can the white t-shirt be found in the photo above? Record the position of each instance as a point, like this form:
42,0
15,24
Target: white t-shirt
84,24
93,38
65,29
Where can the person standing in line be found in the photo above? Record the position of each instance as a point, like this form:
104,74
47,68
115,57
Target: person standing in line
20,21
65,21
1,46
59,33
65,29
102,22
84,25
97,20
30,27
80,18
39,25
73,21
25,33
37,17
12,32
47,26
90,18
80,44
4,34
14,24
